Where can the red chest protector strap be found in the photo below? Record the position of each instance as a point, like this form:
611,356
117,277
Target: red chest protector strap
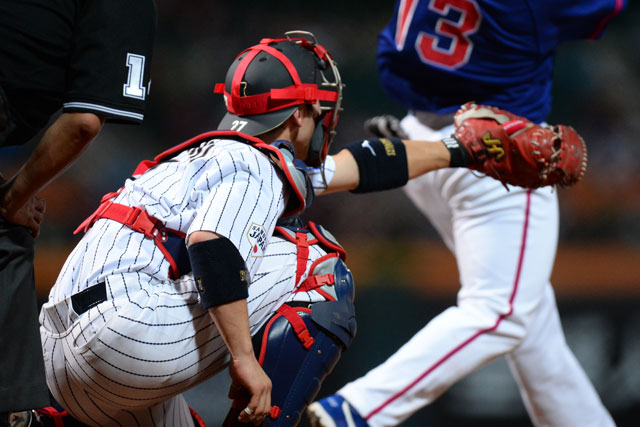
139,220
312,234
295,206
316,281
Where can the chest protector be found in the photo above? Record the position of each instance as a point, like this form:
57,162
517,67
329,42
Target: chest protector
320,276
171,242
280,152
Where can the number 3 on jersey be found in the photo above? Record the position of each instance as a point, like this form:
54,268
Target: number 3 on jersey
456,21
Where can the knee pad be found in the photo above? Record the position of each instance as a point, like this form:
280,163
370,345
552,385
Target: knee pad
338,317
301,344
342,287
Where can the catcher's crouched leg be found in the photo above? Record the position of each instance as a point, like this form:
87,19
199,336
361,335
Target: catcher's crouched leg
298,347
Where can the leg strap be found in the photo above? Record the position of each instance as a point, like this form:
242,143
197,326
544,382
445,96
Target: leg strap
55,416
297,324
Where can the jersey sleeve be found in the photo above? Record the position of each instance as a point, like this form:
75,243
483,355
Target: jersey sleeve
110,65
244,205
565,20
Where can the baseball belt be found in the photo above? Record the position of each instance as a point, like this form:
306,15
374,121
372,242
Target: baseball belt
88,298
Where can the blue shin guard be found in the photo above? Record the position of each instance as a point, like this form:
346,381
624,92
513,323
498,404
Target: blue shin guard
296,372
298,347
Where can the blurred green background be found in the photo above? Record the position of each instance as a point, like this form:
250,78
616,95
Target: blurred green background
404,275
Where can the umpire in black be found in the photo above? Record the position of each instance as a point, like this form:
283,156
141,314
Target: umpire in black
89,61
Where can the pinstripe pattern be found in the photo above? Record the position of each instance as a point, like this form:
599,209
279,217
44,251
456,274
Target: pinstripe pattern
222,186
127,360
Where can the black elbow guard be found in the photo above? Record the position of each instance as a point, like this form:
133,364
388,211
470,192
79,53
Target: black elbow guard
220,272
382,164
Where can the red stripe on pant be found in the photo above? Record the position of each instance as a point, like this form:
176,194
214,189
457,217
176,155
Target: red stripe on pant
477,334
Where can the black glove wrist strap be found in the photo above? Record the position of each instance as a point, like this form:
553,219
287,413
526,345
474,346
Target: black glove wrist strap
460,157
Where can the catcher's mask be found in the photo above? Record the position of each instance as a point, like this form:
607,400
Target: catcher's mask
268,81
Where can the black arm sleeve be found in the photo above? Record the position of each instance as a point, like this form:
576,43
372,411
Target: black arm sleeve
382,164
220,272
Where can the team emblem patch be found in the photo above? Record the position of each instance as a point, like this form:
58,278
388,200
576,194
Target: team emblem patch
494,146
257,236
199,285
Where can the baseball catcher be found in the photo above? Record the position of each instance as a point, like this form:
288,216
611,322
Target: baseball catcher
506,147
187,264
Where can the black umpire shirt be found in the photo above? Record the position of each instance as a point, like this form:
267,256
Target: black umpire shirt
81,55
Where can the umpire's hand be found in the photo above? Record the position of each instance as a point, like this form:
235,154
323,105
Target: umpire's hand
29,215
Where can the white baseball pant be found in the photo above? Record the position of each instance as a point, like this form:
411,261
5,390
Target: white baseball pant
504,243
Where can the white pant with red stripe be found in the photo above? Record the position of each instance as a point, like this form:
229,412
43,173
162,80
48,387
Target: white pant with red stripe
505,244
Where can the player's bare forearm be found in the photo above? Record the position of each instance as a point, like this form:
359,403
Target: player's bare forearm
232,320
422,157
346,176
60,146
426,156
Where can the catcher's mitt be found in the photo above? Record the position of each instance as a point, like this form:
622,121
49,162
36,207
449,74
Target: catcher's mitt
516,151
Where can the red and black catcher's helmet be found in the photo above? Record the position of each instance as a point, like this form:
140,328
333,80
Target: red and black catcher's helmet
268,81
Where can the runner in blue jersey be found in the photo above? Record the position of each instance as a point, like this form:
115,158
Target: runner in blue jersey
433,56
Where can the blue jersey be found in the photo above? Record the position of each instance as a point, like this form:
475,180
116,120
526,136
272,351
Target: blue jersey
434,55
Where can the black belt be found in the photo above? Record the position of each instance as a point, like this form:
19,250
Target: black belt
90,297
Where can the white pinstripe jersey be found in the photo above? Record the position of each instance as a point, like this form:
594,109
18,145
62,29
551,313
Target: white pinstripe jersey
222,185
126,361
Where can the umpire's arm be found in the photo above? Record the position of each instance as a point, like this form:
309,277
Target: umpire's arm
60,146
